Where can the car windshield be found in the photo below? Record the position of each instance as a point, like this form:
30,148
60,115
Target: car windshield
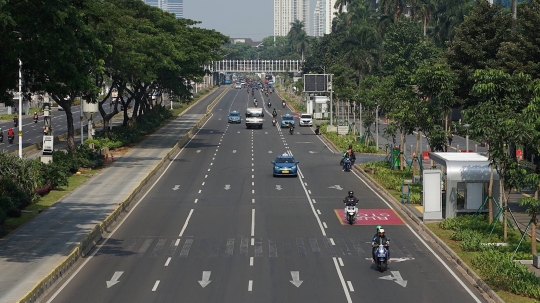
306,116
287,118
285,160
254,114
234,114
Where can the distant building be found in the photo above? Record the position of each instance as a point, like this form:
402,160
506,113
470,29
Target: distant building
322,17
246,40
286,12
505,3
172,6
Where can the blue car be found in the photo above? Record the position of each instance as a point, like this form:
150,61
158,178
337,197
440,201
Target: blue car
234,117
285,165
286,120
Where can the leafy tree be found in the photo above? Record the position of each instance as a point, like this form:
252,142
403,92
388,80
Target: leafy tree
298,39
498,117
9,63
392,8
476,45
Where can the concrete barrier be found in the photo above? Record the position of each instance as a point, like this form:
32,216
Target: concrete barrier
97,232
405,212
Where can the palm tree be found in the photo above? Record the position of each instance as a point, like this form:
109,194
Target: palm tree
298,39
424,10
340,4
392,8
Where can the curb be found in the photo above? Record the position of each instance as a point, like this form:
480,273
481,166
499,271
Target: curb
97,232
403,211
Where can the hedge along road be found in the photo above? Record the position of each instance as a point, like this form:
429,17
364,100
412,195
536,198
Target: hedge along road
31,252
217,227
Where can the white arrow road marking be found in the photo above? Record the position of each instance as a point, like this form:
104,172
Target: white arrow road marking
114,278
336,187
278,187
211,131
227,187
176,187
198,151
396,277
269,151
205,278
296,278
312,152
234,151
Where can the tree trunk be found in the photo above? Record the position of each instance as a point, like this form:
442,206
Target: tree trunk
425,26
401,147
71,128
514,17
415,159
490,195
505,207
533,225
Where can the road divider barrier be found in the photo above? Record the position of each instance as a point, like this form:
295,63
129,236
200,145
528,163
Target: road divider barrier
86,245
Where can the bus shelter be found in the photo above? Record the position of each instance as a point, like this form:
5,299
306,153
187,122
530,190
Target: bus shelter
465,182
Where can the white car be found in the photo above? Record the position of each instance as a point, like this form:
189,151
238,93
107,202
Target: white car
238,85
305,120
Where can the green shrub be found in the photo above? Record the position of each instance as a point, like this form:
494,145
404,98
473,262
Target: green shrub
471,240
500,271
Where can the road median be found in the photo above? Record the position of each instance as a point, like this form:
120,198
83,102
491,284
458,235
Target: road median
85,246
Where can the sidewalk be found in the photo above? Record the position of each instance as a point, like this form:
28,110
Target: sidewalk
33,251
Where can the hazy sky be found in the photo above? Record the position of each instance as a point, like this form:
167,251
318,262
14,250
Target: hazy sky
236,18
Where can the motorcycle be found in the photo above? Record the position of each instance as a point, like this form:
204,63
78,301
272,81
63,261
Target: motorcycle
350,211
381,258
15,122
269,104
291,130
255,103
318,130
283,104
347,164
274,122
35,119
10,139
1,138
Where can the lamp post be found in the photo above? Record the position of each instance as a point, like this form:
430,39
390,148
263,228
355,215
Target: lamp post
20,111
467,137
377,126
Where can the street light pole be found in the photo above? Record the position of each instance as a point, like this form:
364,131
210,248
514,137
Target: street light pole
467,137
20,111
377,126
331,102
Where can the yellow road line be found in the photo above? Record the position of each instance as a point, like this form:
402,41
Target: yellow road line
339,218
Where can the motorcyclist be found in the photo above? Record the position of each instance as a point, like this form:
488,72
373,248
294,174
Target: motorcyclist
256,103
351,200
35,116
380,239
10,132
274,113
351,154
269,103
1,135
291,128
346,155
15,121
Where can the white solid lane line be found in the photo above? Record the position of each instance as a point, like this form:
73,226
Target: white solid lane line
311,204
425,244
345,289
155,285
126,216
253,222
186,224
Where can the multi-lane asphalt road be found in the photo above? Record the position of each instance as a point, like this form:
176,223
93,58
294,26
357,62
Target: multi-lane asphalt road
217,227
33,132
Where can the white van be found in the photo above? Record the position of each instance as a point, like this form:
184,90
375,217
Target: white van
237,85
254,117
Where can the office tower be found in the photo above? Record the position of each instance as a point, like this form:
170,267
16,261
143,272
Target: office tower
286,12
172,6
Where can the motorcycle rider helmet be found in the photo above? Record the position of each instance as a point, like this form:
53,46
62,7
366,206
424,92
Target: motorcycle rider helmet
350,146
378,227
381,231
351,193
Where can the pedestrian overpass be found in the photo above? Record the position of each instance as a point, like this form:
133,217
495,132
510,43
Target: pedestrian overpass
257,66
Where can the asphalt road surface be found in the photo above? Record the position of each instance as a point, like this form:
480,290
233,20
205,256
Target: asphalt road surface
217,227
33,132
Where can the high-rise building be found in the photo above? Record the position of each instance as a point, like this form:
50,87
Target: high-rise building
286,12
322,17
172,6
